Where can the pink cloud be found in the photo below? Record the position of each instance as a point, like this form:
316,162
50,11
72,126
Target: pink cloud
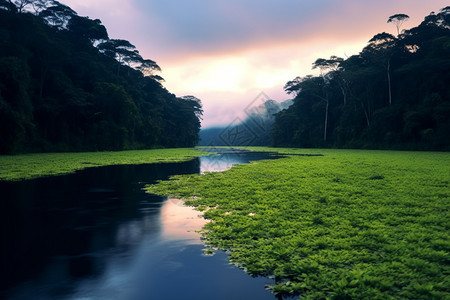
226,51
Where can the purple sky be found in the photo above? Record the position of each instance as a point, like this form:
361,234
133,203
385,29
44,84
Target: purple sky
226,52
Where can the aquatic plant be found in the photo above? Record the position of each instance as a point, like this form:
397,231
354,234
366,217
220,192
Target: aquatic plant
19,167
350,224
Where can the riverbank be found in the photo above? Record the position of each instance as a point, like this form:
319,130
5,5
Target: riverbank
28,166
96,233
350,223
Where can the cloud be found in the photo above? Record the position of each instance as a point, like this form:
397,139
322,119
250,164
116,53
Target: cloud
258,68
203,27
227,84
120,17
228,51
174,30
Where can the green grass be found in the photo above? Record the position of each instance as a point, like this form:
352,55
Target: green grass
347,225
19,167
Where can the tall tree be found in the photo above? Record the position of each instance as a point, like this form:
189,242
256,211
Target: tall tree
148,67
398,20
382,45
332,70
310,87
20,4
124,52
57,15
411,113
58,92
294,86
85,28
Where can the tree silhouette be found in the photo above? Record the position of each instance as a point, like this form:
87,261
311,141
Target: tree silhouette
59,92
87,29
383,45
57,15
124,52
148,67
398,20
411,70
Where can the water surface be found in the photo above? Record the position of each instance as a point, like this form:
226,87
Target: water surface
96,235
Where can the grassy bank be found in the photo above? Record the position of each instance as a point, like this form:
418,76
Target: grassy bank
29,166
347,225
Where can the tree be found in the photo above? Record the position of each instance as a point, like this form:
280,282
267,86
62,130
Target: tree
15,105
125,53
8,5
20,4
411,113
148,67
442,19
86,28
58,92
355,75
398,20
327,65
382,45
189,113
294,86
41,5
58,15
311,87
333,71
195,104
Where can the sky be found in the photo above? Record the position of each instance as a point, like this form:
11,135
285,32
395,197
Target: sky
232,54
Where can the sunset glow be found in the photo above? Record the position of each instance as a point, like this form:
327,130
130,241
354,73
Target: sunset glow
226,53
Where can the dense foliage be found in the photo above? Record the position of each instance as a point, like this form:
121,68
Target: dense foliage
66,86
394,94
351,224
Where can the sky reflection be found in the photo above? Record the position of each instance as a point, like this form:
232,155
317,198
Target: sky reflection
180,222
142,247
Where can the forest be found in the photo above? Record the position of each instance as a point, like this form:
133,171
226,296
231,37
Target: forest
394,94
66,86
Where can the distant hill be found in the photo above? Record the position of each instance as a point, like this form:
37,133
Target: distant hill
254,130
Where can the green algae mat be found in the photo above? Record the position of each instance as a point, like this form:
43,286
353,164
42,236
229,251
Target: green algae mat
349,224
28,166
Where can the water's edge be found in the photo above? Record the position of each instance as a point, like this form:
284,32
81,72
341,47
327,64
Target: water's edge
96,235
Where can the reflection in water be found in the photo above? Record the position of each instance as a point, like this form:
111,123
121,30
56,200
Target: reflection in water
229,157
96,235
180,222
60,230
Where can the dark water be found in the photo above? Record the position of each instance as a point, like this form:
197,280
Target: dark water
96,235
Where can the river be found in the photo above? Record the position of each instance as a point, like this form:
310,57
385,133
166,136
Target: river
96,235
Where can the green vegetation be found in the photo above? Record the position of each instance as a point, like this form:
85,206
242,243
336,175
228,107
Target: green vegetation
351,224
66,86
27,166
394,94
